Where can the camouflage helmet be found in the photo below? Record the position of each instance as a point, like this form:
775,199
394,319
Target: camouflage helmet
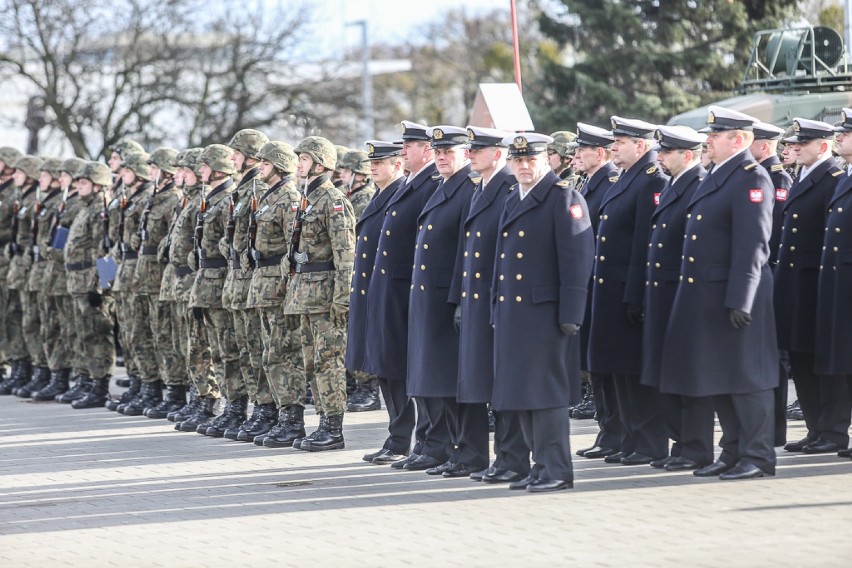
73,166
164,158
219,158
30,165
189,158
53,166
248,142
355,160
8,155
137,162
341,151
320,150
125,146
280,155
561,143
97,173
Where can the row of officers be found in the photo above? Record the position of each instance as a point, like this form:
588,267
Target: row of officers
474,275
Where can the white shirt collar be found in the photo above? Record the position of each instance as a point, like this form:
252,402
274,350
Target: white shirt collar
413,175
808,169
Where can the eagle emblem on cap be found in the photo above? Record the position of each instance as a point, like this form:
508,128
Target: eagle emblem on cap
659,135
796,126
402,127
470,134
711,118
614,123
371,149
519,142
437,134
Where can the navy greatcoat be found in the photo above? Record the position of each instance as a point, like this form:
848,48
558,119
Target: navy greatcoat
545,252
615,345
471,288
433,344
390,288
367,232
663,272
797,271
724,267
593,191
834,303
782,182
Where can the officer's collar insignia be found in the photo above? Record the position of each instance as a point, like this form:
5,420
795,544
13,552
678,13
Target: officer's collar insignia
437,134
477,180
776,167
563,183
749,166
613,179
837,173
711,118
519,142
651,170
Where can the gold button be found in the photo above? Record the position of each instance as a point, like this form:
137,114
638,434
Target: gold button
694,237
387,233
520,255
363,275
429,227
603,239
422,287
792,265
364,255
680,277
792,248
795,230
654,226
476,296
464,274
476,254
383,270
425,247
839,209
502,298
691,259
519,277
464,294
501,277
502,255
690,280
365,238
521,233
465,253
795,215
659,245
384,253
656,265
505,234
393,213
351,289
602,258
600,280
478,234
476,275
412,286
688,215
420,227
422,267
656,283
698,217
648,264
606,217
837,229
518,298
467,233
834,249
363,292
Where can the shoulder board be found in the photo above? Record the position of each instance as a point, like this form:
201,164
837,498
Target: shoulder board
563,183
436,177
613,179
776,167
837,173
652,170
476,179
750,166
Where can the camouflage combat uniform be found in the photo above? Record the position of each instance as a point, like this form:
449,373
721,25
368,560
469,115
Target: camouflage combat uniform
11,343
23,308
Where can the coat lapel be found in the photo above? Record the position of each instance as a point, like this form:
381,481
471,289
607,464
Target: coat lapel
487,195
843,187
628,176
672,193
716,178
415,183
533,198
380,200
447,189
801,187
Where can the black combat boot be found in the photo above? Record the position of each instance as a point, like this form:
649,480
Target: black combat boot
586,409
126,396
78,391
96,396
232,433
58,385
123,382
267,418
202,415
150,395
39,380
365,398
351,384
232,417
291,427
174,398
329,435
187,409
18,377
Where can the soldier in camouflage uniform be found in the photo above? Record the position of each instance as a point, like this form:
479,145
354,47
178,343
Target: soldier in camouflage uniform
336,176
363,387
151,318
93,317
560,154
64,350
131,307
282,416
205,299
22,311
47,321
189,335
8,156
233,246
318,294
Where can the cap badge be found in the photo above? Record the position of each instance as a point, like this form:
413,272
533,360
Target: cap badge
470,134
711,118
796,126
437,134
371,149
519,142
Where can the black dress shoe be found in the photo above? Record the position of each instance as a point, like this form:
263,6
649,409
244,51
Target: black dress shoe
439,469
662,462
637,459
373,455
682,464
461,470
503,476
798,446
582,452
744,470
615,458
716,468
545,485
402,463
388,458
847,453
523,483
478,475
821,446
421,463
599,452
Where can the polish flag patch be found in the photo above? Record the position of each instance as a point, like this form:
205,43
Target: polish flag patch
656,199
781,194
576,211
755,195
338,206
295,208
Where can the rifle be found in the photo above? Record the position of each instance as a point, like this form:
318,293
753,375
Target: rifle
252,226
198,236
293,255
37,208
143,219
122,205
57,216
230,229
105,223
13,244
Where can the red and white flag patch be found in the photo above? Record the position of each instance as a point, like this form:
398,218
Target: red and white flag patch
755,195
576,211
781,194
656,199
295,208
338,206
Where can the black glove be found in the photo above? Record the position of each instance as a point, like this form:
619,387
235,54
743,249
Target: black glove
635,314
569,329
95,299
739,319
457,319
198,314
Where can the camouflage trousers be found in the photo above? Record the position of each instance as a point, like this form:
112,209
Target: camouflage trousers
59,334
282,359
190,339
171,359
324,345
16,348
360,376
31,327
226,355
142,337
95,332
124,316
247,327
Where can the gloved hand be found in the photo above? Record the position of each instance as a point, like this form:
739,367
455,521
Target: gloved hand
192,261
739,319
457,319
635,314
198,313
291,322
569,329
95,299
338,314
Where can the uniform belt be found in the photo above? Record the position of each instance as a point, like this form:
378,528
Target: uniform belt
268,261
314,267
129,255
235,263
148,250
213,262
78,266
181,271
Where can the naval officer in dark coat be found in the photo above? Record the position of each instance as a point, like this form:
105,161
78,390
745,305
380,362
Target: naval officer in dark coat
544,260
689,420
386,354
721,339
